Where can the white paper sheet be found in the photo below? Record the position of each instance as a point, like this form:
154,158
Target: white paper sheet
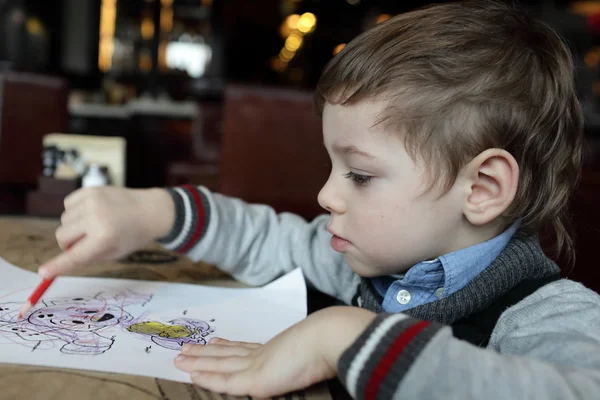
136,327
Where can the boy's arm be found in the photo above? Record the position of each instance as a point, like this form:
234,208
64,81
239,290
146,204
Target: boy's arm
254,243
546,347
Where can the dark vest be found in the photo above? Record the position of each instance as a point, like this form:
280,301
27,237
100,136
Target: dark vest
473,311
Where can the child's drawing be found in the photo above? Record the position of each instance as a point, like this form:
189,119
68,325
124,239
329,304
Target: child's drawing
81,325
174,333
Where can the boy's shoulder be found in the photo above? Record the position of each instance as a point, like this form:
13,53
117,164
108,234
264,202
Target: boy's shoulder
557,304
562,291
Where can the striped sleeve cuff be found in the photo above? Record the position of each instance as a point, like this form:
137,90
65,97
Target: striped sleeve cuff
375,364
191,218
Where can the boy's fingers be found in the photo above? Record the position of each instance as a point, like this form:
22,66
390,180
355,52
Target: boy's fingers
214,350
211,364
225,342
70,233
71,215
73,198
83,252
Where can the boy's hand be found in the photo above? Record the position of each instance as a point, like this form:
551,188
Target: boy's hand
107,223
304,354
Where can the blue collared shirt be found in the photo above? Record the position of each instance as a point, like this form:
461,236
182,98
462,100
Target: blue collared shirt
428,281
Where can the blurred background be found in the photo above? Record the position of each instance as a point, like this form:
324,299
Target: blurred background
191,48
211,92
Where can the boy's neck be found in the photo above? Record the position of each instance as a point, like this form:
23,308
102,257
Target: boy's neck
467,235
470,235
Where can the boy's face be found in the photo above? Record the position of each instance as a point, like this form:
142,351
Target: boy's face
381,219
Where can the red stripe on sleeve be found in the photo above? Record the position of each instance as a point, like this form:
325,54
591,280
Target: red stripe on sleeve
390,357
198,203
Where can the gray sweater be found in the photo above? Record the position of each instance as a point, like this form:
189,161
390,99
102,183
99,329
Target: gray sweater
547,346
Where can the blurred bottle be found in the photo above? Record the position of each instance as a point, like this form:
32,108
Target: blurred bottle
94,177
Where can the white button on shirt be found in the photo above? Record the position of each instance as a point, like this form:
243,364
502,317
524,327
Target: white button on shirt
439,292
403,297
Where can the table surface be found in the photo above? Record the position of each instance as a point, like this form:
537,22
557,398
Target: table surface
28,242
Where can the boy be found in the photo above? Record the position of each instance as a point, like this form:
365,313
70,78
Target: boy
454,134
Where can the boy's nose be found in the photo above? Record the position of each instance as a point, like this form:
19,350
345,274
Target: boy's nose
330,200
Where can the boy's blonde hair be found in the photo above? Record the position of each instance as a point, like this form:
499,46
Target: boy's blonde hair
460,78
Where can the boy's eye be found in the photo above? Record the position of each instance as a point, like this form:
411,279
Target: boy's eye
360,179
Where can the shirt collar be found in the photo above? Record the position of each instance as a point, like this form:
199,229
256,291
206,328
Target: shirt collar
461,266
452,271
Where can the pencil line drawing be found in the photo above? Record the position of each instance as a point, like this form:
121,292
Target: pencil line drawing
86,325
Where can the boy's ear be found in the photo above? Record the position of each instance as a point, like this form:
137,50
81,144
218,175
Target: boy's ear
493,178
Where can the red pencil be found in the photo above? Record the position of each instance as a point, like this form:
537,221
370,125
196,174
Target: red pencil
35,296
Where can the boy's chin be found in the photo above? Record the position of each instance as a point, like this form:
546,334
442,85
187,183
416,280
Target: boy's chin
366,270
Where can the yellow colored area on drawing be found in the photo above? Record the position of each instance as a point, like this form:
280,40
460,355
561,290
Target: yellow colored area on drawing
155,328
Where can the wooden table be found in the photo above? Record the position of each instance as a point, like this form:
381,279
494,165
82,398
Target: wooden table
28,242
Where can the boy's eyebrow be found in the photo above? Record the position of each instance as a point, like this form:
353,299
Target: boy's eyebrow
350,150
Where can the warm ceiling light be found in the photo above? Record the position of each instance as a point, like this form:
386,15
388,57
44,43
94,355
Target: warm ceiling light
585,8
338,48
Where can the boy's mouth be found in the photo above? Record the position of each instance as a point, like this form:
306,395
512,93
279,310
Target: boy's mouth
339,244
